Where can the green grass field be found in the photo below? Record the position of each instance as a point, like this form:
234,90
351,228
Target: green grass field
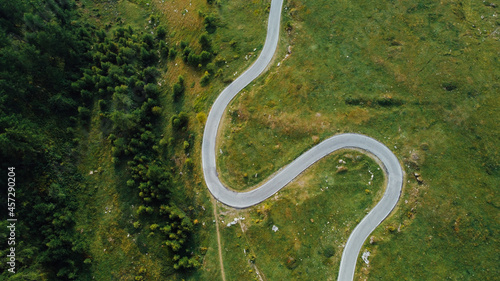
421,77
314,216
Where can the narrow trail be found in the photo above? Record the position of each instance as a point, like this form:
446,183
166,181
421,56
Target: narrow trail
388,160
221,260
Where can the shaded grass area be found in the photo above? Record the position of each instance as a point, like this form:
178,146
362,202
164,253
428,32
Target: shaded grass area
106,217
118,249
421,77
110,14
313,217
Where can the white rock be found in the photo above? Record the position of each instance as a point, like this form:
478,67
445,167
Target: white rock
235,221
365,256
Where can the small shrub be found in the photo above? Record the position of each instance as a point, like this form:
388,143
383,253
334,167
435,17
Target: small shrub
204,57
179,121
164,51
156,110
329,251
210,68
210,22
233,44
153,227
161,32
141,210
201,117
353,100
193,59
148,39
205,42
172,54
178,88
83,112
203,250
205,79
389,101
185,53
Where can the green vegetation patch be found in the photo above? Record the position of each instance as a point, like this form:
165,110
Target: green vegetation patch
301,231
419,77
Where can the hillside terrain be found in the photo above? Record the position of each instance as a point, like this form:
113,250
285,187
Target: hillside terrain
102,110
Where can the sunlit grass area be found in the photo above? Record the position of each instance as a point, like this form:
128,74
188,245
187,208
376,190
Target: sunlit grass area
300,232
421,77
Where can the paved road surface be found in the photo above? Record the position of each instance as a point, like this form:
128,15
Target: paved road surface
234,199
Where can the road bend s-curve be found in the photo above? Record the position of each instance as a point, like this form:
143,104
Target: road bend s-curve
390,163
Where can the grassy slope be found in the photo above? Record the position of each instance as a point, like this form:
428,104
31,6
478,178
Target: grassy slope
106,216
439,60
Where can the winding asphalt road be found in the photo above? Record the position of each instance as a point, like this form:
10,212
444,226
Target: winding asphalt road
390,163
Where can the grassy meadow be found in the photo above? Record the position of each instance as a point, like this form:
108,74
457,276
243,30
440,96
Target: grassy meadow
422,77
313,217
